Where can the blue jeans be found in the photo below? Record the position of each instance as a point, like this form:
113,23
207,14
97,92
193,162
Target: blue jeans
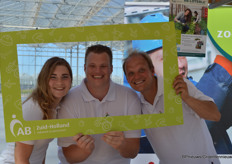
217,84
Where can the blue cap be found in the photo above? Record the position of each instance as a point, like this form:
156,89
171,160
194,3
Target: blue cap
148,45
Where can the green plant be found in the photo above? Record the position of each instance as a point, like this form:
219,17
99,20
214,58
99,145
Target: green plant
191,28
203,25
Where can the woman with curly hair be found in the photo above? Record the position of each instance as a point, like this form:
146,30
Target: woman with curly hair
53,83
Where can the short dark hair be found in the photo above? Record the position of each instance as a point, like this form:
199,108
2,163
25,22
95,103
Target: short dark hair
138,53
98,48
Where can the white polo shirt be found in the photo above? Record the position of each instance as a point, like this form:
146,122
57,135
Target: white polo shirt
79,103
32,111
190,143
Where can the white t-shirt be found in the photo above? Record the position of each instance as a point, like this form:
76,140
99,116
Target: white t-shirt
79,103
190,143
32,111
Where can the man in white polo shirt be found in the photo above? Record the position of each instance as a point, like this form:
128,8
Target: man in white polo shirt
98,96
189,143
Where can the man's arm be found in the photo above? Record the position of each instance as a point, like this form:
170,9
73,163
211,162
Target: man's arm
127,147
22,153
81,151
205,109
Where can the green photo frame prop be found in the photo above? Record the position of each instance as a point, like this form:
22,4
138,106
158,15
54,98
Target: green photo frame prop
17,129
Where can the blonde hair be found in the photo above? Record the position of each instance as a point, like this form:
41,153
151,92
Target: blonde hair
42,93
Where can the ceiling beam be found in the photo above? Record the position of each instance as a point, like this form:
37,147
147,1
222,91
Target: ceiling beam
93,10
110,19
24,27
39,4
70,12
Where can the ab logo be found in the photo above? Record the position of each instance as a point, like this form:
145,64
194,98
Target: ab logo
20,129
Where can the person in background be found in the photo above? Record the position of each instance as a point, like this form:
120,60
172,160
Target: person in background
53,83
154,48
174,144
216,82
99,96
183,68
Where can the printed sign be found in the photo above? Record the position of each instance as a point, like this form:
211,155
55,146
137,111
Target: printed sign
190,16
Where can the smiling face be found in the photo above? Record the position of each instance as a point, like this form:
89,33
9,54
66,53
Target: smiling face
60,82
98,70
139,75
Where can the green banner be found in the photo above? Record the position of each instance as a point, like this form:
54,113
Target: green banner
220,30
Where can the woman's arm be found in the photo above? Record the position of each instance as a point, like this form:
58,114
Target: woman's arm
22,153
178,16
